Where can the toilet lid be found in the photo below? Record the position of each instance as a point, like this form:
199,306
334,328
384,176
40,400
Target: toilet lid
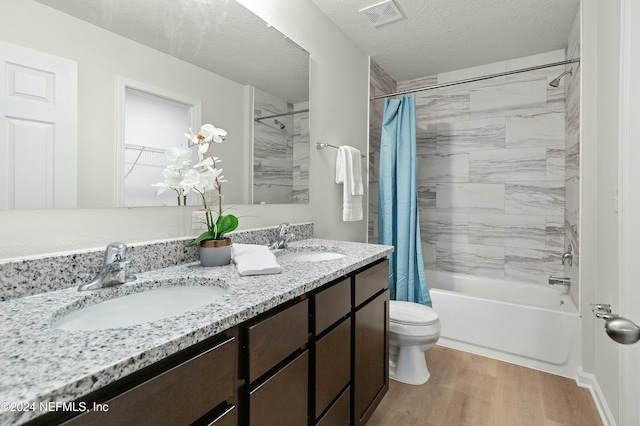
410,313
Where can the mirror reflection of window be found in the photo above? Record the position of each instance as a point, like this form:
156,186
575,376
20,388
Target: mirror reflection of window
152,124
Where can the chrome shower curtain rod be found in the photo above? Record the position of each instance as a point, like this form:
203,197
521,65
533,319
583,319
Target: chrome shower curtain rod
281,115
471,80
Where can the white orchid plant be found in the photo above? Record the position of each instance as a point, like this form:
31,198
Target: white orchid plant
204,176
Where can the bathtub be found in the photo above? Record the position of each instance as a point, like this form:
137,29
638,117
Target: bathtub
532,325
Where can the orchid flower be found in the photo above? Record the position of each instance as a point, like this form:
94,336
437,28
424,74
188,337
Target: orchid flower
210,133
206,164
172,179
179,157
202,177
208,179
207,134
202,149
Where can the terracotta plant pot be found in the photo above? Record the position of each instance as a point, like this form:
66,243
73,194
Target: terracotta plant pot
215,252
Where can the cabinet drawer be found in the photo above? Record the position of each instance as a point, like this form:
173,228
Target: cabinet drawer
282,400
371,281
333,365
332,304
338,414
276,337
228,418
178,396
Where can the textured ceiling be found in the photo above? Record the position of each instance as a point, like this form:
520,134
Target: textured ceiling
221,36
445,35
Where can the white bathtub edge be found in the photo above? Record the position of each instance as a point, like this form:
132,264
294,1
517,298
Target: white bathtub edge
564,370
589,381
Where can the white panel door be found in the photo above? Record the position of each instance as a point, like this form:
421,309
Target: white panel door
630,207
38,129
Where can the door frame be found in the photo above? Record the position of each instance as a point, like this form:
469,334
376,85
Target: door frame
629,207
194,110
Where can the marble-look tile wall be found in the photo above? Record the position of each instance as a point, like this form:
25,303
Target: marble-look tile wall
491,170
572,160
301,141
273,151
380,83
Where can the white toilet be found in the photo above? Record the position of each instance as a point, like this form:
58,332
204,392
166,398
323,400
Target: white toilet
413,329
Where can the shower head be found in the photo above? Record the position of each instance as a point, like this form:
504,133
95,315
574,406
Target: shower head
556,81
279,123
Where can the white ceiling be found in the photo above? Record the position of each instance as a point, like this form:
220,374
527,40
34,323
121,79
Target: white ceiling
446,35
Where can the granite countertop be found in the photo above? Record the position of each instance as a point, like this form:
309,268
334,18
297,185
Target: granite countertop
40,364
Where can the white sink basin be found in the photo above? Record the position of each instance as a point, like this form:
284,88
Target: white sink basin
311,256
138,308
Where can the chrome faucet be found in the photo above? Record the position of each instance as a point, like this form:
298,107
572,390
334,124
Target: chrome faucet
559,281
282,237
568,256
113,269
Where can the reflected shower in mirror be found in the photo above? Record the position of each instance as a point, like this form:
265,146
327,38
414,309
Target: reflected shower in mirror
216,53
281,150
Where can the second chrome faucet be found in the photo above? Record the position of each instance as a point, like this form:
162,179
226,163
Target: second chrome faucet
282,237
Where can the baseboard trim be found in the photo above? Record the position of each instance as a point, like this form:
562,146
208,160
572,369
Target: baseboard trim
588,381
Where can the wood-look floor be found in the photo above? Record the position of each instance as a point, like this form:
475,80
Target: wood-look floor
467,389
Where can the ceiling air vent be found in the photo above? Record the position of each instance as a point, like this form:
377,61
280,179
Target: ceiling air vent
382,13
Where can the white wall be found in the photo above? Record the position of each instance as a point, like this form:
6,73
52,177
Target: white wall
599,222
339,98
338,102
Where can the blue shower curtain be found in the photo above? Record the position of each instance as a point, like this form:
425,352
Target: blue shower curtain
398,219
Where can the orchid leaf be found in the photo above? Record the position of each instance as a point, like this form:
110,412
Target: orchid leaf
226,223
209,235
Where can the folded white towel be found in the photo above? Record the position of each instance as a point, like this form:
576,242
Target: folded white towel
349,174
253,259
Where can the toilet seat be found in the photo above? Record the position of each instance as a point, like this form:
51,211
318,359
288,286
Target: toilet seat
410,313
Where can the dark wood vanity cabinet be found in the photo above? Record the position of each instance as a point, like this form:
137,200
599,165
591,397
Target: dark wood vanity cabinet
371,340
277,367
331,331
197,387
321,359
351,373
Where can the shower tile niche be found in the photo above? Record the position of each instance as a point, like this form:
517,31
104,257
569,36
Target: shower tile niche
493,160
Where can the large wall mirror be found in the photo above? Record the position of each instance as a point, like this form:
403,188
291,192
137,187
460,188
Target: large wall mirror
128,75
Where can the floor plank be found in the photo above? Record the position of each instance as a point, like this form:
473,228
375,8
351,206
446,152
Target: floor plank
471,390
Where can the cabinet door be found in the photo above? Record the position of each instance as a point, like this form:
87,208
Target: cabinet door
333,365
178,396
276,337
338,414
371,360
283,399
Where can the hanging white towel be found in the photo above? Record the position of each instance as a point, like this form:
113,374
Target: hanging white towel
254,259
349,174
